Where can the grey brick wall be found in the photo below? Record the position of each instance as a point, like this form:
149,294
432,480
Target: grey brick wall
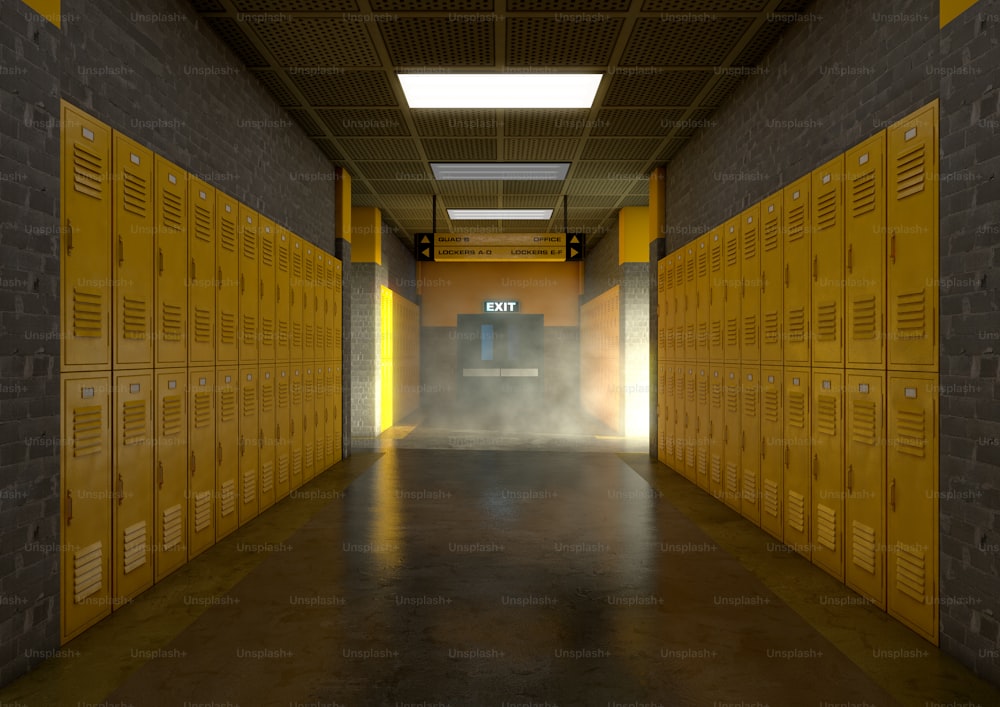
29,352
601,270
847,71
402,266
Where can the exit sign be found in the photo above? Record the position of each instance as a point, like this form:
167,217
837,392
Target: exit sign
494,306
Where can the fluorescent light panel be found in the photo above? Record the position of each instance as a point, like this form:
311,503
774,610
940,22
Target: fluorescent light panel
509,171
500,214
500,90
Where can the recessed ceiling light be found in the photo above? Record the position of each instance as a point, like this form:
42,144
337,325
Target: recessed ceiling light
500,214
500,90
509,171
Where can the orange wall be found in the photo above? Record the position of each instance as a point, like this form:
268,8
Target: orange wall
450,289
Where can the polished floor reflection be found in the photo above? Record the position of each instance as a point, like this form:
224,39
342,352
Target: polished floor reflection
427,577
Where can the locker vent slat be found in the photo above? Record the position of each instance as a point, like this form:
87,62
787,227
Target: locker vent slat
863,423
716,257
732,332
750,485
911,171
88,575
732,252
826,527
771,333
173,211
911,315
249,329
796,409
863,319
795,326
716,470
227,405
227,327
826,211
202,224
772,406
227,497
87,426
249,400
750,330
134,317
133,421
702,391
134,552
283,463
250,244
173,527
795,223
863,542
202,510
911,571
702,264
296,335
87,308
202,409
750,244
826,414
267,397
227,235
266,330
266,478
826,321
282,258
863,194
135,193
307,330
911,432
249,485
732,399
691,269
267,251
795,511
732,479
772,237
172,322
770,502
88,168
309,459
716,335
202,325
749,404
172,416
282,334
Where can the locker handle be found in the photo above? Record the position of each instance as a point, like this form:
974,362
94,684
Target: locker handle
763,448
786,456
291,427
850,478
220,454
121,250
743,440
815,267
892,495
220,278
277,292
69,236
763,281
192,270
69,506
160,251
260,439
261,289
892,247
725,434
291,296
243,284
850,257
277,431
192,462
121,490
815,466
786,274
159,474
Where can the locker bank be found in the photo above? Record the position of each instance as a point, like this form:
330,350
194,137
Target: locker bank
499,352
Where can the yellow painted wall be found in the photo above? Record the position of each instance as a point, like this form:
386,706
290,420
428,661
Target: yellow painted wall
366,235
450,289
633,234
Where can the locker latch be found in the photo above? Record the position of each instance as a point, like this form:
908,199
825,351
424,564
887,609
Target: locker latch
69,236
159,474
192,462
69,506
815,466
121,490
892,495
850,478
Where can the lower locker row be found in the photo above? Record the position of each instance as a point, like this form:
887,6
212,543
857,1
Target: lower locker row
840,465
159,465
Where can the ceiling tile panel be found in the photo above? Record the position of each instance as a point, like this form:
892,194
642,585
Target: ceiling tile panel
407,186
345,122
460,149
311,127
318,41
616,169
432,5
709,6
437,41
523,149
275,83
350,88
634,122
545,122
568,6
656,42
283,6
551,41
232,33
380,149
534,187
661,88
399,171
455,123
609,148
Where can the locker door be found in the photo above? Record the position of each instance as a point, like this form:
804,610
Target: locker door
750,444
680,438
320,414
249,321
202,285
85,245
828,471
319,300
731,438
864,234
85,517
132,510
912,219
716,430
170,250
171,470
248,391
828,264
267,293
771,461
797,461
701,426
661,410
691,423
330,308
308,422
295,292
338,303
282,457
690,303
338,416
864,503
750,236
669,415
731,292
680,292
771,264
267,434
295,429
308,300
227,441
912,515
132,241
329,417
227,265
702,298
201,460
661,310
669,309
798,261
716,295
282,335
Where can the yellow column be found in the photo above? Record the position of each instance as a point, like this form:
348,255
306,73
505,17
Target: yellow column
657,204
366,232
633,243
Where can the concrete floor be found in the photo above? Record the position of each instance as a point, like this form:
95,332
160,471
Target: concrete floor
483,577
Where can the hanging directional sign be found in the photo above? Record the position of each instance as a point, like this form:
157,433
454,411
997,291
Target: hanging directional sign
486,247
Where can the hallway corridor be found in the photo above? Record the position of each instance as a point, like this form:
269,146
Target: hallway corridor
498,578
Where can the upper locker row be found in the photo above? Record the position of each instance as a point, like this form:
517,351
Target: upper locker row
838,269
162,270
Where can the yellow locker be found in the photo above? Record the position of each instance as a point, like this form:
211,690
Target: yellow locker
864,500
750,246
320,414
308,302
227,441
170,250
202,284
912,515
750,483
661,310
716,430
282,412
690,302
268,437
85,244
295,428
201,460
132,240
266,265
338,302
797,246
680,291
295,292
330,309
248,391
338,417
282,292
771,450
864,235
669,415
828,470
731,291
912,220
171,472
669,309
680,437
827,314
308,421
797,481
249,321
330,405
132,511
227,265
661,410
716,295
771,264
320,305
731,437
702,298
701,426
85,518
691,422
